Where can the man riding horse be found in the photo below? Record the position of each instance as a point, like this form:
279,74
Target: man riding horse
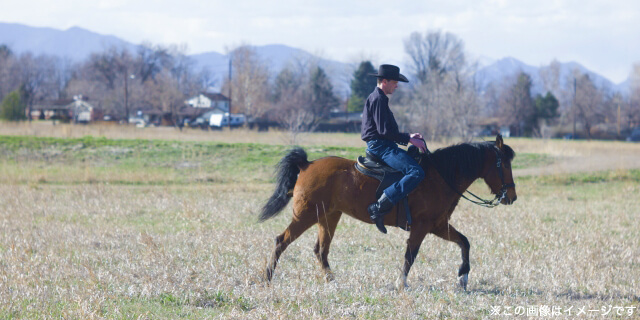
380,132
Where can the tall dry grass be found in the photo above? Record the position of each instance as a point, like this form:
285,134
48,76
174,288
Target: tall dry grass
166,252
99,251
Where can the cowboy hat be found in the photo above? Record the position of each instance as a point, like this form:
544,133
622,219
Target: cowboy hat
389,72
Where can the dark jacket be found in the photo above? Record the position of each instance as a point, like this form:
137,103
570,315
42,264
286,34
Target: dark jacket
378,121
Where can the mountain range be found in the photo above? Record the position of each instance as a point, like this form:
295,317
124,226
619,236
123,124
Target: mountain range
77,44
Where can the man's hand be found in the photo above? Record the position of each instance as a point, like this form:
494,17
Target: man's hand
417,140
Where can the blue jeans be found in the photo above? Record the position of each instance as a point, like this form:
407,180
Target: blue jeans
398,159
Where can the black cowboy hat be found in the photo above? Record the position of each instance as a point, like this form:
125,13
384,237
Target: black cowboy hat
389,72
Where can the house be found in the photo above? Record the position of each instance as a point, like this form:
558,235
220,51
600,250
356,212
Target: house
489,127
210,109
189,115
155,117
210,101
77,110
341,122
197,111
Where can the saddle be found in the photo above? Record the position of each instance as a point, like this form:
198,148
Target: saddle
374,167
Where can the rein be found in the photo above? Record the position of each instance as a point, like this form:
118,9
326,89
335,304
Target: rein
483,202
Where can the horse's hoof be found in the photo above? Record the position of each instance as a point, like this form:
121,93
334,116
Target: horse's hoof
268,274
329,277
464,280
401,283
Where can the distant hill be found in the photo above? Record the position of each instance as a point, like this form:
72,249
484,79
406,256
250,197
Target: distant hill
74,43
77,44
509,67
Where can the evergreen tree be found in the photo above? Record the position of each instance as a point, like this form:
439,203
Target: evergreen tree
286,83
546,107
5,51
355,104
12,107
361,86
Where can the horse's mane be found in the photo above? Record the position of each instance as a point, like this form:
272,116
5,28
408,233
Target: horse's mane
464,159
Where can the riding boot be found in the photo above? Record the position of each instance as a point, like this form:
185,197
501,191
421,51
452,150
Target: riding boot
378,209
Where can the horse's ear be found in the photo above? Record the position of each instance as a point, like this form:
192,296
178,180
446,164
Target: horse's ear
499,142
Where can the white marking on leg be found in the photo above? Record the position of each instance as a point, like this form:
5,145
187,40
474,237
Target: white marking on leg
464,280
401,282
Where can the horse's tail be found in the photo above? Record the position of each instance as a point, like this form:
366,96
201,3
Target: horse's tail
287,174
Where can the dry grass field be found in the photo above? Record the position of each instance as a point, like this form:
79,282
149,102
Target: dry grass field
107,229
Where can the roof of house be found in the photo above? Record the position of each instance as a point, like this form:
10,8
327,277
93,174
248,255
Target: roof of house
191,111
215,96
59,104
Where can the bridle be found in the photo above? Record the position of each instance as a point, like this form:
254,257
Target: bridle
483,202
503,190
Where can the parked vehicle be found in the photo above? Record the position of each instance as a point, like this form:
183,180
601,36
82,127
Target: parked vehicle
227,119
635,135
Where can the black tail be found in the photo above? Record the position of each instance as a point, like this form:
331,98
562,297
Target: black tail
287,175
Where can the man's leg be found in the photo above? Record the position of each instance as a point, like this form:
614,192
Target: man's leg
413,174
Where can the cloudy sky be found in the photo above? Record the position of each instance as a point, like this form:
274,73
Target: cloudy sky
603,35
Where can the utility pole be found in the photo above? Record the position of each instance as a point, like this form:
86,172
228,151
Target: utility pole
126,98
126,95
618,119
575,105
230,83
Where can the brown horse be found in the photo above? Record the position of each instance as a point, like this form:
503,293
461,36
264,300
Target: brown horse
324,189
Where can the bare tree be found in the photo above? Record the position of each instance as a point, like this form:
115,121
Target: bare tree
516,104
444,101
6,61
589,102
290,101
37,78
632,108
434,54
109,66
64,70
249,84
151,60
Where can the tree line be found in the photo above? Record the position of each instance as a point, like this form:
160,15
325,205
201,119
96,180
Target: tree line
442,100
446,101
115,80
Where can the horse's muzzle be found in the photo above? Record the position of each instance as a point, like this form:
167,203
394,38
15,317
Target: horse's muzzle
509,201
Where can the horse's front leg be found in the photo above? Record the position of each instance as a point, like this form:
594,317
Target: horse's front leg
418,232
450,233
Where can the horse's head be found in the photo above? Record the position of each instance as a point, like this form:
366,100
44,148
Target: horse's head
497,172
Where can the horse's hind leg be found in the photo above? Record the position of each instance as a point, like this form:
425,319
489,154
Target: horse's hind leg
327,227
300,223
448,232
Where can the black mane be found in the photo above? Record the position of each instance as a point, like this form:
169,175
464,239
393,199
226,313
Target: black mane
464,160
